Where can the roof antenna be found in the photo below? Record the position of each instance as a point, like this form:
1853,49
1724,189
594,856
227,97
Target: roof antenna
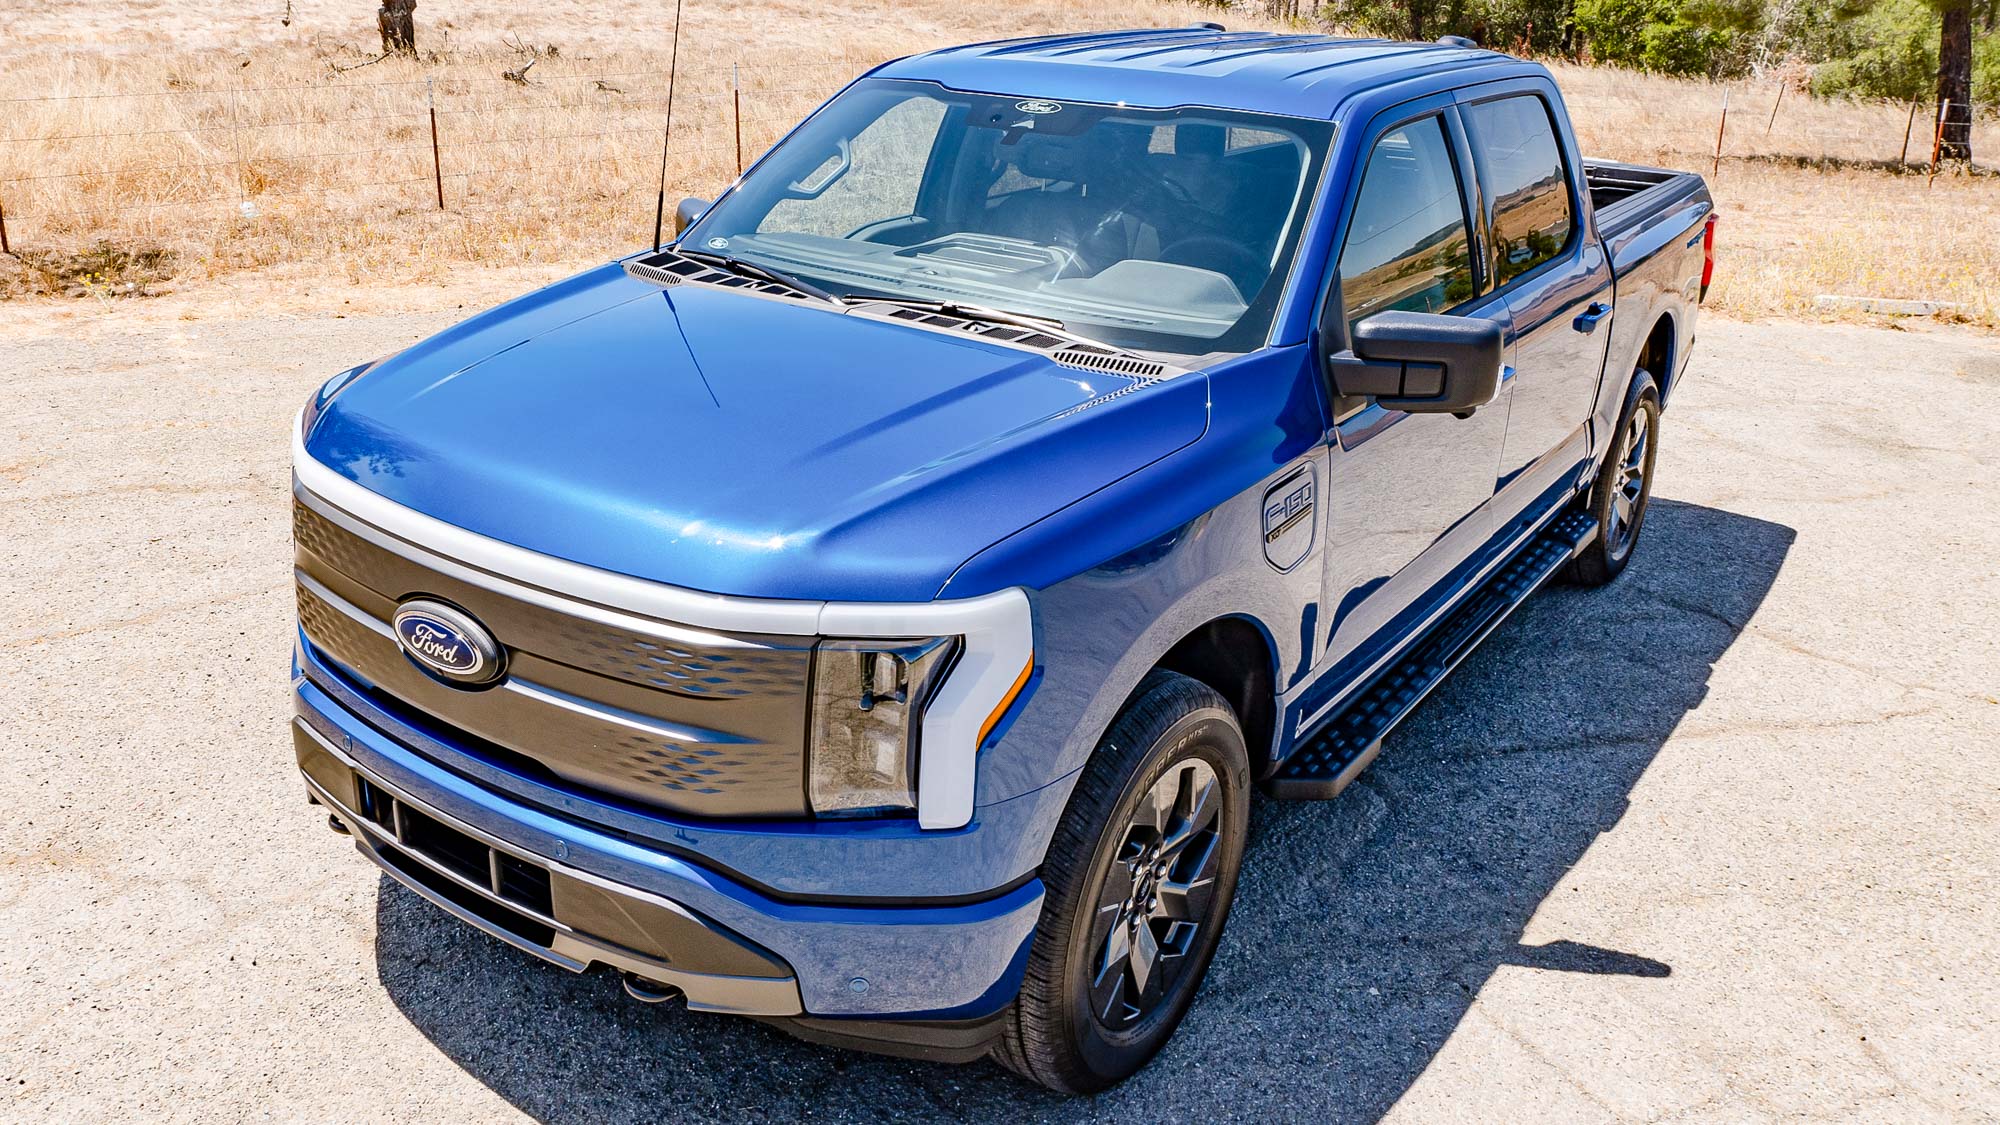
673,66
1456,41
1209,25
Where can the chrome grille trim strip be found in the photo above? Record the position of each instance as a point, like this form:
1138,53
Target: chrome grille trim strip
605,713
361,616
538,692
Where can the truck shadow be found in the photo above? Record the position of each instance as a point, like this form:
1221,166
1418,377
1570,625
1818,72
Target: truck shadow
1362,932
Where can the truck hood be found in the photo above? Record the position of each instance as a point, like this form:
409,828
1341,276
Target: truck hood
738,444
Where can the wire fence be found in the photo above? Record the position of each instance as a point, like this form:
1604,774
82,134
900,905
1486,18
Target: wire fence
231,173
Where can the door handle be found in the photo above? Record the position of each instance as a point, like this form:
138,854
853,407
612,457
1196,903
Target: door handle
1586,321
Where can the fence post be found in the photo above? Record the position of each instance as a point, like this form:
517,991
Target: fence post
1937,142
1715,167
236,136
437,164
4,248
1909,125
1774,109
736,84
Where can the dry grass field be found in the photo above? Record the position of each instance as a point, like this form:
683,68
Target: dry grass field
159,147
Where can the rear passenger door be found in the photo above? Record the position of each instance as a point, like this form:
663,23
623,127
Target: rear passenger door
1554,277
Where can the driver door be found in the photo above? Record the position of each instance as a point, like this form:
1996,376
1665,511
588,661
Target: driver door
1407,495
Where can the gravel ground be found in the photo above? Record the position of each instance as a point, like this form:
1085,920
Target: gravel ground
1719,841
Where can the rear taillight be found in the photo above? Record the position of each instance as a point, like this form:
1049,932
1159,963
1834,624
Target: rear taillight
1707,254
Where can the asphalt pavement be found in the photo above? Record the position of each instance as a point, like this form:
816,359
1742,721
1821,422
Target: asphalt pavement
1718,841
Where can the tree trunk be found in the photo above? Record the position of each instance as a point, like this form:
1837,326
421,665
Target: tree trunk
1954,84
398,21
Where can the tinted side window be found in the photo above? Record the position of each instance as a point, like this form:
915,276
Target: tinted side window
1514,142
1407,246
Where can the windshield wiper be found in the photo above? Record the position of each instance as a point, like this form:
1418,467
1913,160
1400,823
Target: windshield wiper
1045,324
762,273
984,313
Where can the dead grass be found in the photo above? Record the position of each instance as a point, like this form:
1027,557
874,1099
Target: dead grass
260,166
1815,201
103,270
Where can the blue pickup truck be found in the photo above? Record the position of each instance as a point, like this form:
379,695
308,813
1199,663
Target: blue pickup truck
872,610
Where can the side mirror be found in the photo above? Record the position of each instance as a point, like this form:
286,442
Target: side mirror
686,212
1422,362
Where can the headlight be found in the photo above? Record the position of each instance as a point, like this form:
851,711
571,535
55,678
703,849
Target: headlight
868,702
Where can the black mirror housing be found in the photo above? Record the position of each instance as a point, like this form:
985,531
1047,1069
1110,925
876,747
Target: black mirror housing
686,212
1422,363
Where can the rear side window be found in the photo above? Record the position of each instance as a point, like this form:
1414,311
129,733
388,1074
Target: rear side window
1514,142
1407,244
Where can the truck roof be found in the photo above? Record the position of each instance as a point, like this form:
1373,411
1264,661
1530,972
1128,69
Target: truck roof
1260,71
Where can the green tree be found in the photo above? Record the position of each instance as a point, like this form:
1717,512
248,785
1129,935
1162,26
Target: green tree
1686,37
1910,48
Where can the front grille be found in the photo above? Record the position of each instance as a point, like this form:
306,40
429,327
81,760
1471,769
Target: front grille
686,720
508,878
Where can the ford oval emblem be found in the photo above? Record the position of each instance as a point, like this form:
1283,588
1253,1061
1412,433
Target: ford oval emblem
447,644
1038,107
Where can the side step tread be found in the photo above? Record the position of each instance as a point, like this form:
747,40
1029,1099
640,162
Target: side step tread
1330,759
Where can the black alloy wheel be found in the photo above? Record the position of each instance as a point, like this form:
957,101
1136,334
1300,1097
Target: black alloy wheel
1137,884
1157,896
1629,487
1624,486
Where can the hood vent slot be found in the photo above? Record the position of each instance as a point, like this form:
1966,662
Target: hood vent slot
1099,359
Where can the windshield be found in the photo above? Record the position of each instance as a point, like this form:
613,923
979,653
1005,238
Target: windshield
1169,230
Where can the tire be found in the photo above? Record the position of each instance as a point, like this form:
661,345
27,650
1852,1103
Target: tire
1081,1022
1624,486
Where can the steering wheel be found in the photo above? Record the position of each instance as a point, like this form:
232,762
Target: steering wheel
1154,202
1218,254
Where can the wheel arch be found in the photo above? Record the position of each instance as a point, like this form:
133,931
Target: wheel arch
1660,352
1235,655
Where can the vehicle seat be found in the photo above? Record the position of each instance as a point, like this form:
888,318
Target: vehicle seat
1067,209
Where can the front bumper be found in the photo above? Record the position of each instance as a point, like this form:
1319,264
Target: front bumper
728,946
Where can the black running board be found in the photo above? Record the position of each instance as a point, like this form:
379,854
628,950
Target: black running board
1336,754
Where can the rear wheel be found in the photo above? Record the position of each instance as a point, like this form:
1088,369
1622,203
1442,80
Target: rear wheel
1624,486
1138,879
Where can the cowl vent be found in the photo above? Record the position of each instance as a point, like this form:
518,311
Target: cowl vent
668,269
1097,359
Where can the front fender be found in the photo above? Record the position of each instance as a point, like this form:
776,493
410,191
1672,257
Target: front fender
1113,592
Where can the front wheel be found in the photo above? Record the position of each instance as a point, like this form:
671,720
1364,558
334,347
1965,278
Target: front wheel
1624,486
1139,879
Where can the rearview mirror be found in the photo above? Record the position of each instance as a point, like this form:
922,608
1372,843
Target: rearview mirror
814,183
1422,363
686,212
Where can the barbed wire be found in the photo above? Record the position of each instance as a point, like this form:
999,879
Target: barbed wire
713,96
239,198
218,91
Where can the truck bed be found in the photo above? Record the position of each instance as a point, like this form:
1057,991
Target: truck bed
1641,211
1624,195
